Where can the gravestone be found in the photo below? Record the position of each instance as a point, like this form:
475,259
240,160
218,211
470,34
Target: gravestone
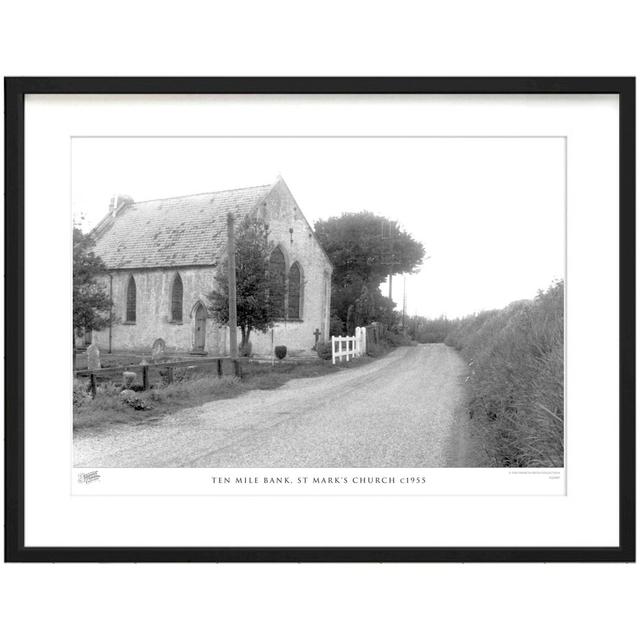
316,333
93,356
158,349
128,378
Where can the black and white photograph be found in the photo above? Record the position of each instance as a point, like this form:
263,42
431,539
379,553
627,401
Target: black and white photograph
320,320
319,302
360,317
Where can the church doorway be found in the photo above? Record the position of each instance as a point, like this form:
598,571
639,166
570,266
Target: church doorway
200,328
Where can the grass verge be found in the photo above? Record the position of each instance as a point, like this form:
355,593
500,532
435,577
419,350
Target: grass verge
112,406
516,379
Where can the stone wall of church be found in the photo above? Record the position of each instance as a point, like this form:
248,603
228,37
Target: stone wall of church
289,230
153,311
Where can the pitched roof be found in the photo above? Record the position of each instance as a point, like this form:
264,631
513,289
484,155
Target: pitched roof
171,232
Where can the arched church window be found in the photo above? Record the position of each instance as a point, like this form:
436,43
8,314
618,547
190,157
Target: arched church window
277,282
176,299
131,300
295,291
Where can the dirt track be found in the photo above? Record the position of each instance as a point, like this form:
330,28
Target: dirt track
404,410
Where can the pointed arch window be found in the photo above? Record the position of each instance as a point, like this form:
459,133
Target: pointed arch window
131,300
277,282
176,299
295,291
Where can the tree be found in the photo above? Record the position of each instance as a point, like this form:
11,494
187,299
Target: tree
365,248
253,282
91,302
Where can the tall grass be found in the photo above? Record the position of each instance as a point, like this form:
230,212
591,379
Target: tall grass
516,378
112,404
429,330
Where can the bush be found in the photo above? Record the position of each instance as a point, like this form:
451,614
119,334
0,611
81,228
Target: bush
336,326
81,393
399,340
280,351
426,330
324,350
132,399
516,379
113,404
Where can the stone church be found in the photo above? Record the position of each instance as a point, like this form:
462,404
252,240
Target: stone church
162,257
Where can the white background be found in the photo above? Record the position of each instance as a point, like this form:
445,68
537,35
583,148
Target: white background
586,516
507,194
459,38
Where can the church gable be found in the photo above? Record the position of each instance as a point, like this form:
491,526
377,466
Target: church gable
288,227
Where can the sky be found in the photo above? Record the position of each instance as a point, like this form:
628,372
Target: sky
490,212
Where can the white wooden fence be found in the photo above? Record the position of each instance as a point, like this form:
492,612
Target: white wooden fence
349,346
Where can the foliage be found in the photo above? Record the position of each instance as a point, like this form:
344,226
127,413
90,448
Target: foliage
280,351
398,340
253,282
363,244
132,399
112,406
336,326
108,407
91,303
324,350
425,330
516,378
81,393
364,248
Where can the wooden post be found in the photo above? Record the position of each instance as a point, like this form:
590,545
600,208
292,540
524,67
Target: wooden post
145,377
233,316
219,363
170,375
237,369
93,385
110,307
273,354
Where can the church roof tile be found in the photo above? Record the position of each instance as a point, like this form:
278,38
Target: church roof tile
171,232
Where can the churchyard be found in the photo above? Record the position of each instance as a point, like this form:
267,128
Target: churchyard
192,383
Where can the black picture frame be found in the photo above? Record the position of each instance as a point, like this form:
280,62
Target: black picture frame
15,91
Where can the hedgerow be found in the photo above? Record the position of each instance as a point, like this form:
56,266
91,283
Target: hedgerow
516,379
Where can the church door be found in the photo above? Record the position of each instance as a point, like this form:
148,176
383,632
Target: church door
201,328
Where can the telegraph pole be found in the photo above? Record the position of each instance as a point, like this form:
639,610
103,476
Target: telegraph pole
389,258
404,299
233,314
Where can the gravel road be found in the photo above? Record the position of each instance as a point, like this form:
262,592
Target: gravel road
404,410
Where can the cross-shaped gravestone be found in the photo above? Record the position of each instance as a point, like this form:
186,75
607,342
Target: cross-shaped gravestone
316,333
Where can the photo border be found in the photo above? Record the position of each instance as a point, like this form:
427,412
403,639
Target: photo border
15,91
